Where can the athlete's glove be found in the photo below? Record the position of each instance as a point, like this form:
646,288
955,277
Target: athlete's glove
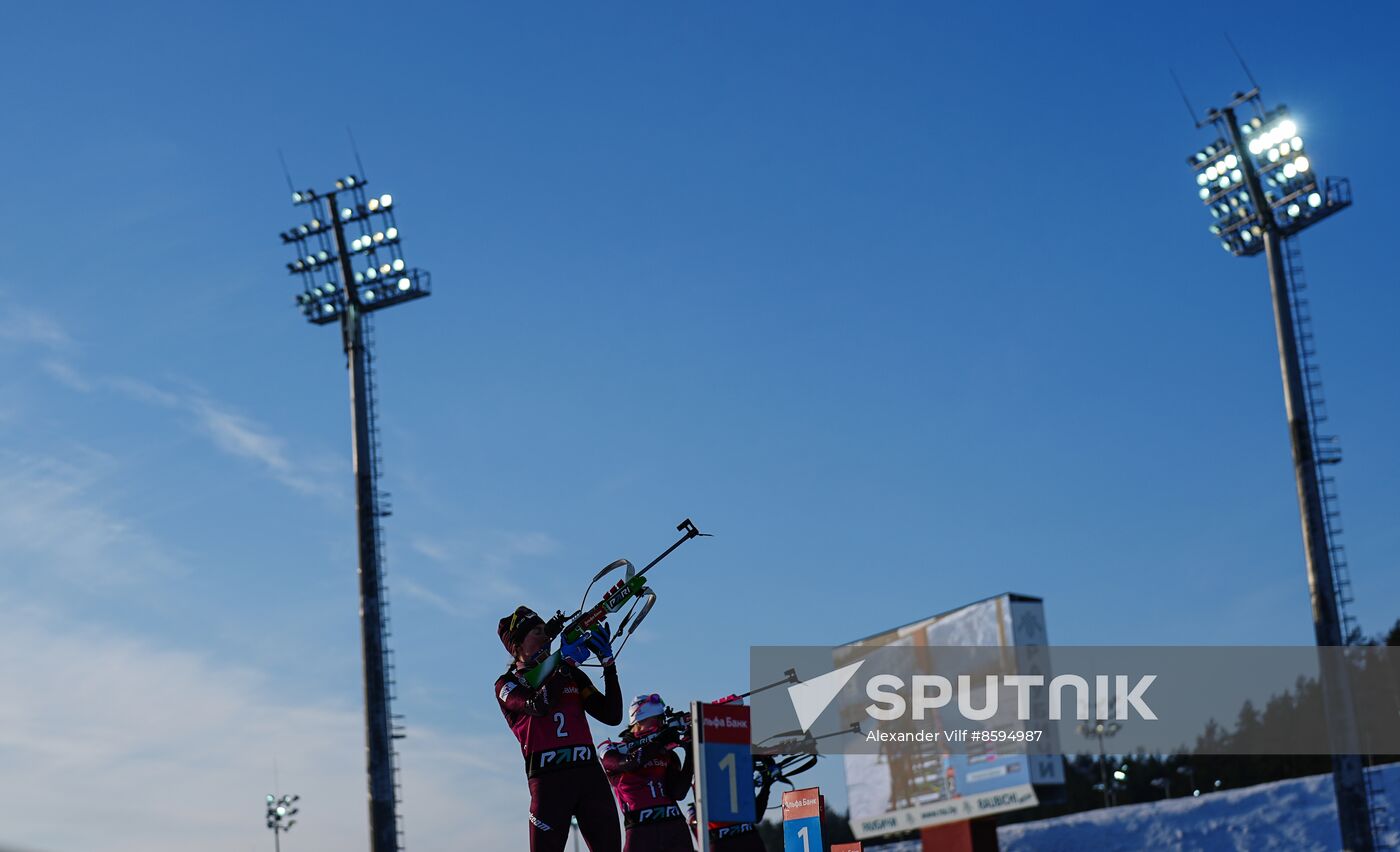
599,640
576,652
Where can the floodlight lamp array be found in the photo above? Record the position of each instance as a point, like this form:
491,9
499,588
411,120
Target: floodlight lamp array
312,261
1293,197
370,242
380,276
364,208
326,303
305,231
322,304
399,286
281,812
310,196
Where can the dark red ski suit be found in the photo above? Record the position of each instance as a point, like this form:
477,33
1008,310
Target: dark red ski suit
551,723
648,780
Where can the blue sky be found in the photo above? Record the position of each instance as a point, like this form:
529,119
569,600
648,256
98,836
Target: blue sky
908,305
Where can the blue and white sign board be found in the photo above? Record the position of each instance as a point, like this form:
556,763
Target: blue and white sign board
723,766
802,821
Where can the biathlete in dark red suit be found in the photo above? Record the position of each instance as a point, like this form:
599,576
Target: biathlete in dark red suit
649,778
551,723
743,836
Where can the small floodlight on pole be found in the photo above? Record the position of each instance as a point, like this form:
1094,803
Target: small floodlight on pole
1190,772
281,816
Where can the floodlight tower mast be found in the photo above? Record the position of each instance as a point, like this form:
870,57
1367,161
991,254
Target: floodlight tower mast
333,289
1262,190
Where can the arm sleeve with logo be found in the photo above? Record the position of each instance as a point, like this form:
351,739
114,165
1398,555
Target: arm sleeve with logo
518,697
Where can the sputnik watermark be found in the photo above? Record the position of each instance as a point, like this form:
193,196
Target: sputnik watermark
934,692
959,699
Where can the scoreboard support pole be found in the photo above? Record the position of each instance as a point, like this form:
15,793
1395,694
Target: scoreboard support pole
702,811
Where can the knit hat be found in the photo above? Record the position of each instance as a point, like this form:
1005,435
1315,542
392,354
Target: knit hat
513,627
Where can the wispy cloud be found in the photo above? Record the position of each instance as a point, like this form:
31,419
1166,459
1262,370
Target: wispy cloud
230,431
244,438
64,373
142,391
119,741
415,591
493,550
56,521
239,436
119,744
25,325
475,572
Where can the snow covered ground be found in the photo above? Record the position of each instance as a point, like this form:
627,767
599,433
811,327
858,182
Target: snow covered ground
1299,815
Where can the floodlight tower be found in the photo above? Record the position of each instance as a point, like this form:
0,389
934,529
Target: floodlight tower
281,808
1261,185
343,282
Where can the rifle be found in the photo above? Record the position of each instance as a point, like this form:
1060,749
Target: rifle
796,750
632,588
796,742
789,676
674,723
677,722
793,754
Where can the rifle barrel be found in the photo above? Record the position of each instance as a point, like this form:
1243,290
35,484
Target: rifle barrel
690,532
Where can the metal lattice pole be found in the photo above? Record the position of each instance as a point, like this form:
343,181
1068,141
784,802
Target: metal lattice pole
379,757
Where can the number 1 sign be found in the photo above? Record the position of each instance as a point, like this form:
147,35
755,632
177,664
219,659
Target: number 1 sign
723,765
802,821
